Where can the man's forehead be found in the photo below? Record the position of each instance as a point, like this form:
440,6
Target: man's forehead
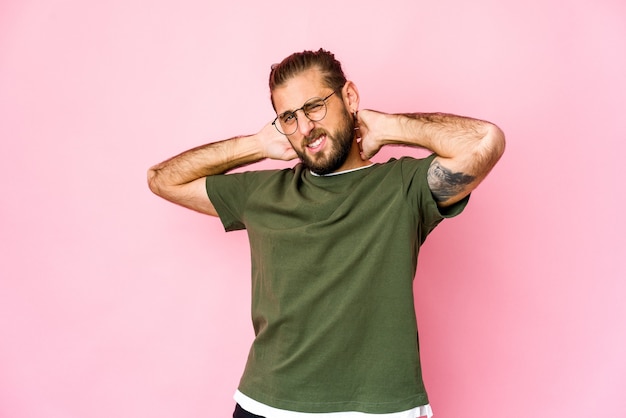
297,90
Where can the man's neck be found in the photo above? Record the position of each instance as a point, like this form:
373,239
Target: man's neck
349,170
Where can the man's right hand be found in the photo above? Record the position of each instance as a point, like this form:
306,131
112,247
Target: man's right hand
274,144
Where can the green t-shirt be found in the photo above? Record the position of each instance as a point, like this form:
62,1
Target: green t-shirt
333,261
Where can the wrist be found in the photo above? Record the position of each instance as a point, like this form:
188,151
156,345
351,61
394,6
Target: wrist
244,150
253,146
394,129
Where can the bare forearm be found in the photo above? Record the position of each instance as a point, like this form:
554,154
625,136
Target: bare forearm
448,136
181,178
206,160
462,144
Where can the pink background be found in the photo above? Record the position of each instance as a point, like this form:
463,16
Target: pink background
114,303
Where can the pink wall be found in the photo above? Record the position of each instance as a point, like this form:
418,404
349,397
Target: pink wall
116,304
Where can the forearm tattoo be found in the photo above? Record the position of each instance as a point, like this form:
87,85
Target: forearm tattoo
444,184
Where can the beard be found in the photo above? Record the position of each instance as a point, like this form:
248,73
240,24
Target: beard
341,143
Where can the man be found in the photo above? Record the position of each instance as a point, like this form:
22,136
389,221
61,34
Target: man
334,240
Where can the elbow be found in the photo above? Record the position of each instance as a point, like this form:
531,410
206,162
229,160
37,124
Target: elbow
500,139
496,142
489,149
153,181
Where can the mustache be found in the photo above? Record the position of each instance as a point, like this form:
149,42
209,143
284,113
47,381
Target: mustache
314,134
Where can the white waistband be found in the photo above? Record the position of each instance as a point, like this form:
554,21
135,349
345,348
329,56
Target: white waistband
259,408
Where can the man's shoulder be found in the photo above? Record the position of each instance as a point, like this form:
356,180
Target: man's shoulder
408,162
267,173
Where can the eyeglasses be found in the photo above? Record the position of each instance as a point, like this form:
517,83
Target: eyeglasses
315,109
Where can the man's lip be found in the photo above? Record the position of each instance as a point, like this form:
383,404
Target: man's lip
320,140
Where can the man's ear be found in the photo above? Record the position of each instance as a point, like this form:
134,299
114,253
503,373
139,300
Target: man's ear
350,96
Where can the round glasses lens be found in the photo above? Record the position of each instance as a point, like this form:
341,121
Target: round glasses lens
287,123
315,109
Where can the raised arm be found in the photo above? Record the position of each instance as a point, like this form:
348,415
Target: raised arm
181,179
466,148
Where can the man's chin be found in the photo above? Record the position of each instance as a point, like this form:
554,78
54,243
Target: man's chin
322,169
330,159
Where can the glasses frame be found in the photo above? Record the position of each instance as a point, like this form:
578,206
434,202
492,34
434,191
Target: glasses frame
276,122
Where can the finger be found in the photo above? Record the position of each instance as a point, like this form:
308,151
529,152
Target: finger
361,153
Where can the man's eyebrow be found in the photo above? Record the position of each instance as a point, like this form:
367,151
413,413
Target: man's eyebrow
303,105
286,111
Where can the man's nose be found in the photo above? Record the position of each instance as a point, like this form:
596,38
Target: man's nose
305,125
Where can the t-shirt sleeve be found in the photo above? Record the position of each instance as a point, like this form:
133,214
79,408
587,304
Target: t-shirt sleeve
228,194
415,173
